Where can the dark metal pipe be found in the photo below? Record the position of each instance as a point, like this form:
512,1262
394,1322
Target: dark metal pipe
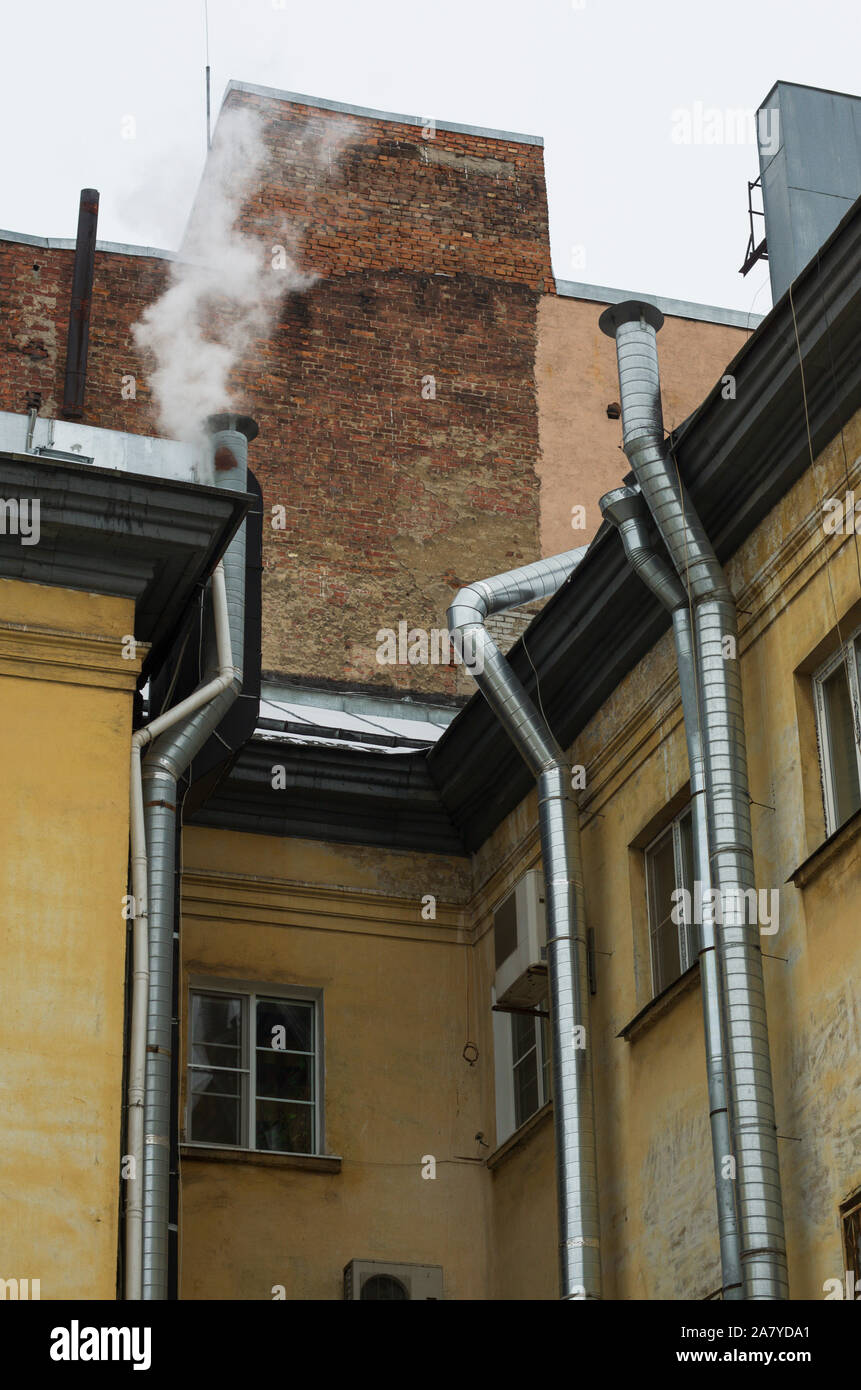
79,312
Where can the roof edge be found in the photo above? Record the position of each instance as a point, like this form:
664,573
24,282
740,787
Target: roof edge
276,94
676,308
117,248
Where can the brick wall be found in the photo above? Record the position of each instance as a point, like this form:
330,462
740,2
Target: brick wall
35,287
432,255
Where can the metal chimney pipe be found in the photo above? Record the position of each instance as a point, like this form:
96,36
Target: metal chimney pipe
167,760
627,511
78,341
573,1102
634,325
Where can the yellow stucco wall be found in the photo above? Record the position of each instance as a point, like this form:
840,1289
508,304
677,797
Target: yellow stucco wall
397,1087
792,584
65,725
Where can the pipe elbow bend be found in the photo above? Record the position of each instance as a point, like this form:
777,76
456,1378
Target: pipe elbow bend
467,609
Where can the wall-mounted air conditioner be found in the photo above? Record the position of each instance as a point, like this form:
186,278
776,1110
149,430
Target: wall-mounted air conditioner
520,941
380,1281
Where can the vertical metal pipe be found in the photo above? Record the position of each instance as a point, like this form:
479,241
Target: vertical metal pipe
627,511
169,757
78,341
573,1100
763,1243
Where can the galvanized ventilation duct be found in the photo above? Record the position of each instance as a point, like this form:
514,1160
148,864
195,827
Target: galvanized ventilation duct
169,757
763,1245
573,1104
625,508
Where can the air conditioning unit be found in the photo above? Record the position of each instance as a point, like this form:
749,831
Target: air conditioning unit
379,1280
520,941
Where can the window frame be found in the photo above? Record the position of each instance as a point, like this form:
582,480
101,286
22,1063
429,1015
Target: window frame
850,1222
504,1065
686,929
250,992
847,655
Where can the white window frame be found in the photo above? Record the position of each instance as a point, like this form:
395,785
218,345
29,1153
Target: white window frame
503,1056
848,657
687,941
251,991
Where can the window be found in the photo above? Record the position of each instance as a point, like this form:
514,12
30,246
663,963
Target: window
670,866
838,722
254,1070
530,1055
521,1046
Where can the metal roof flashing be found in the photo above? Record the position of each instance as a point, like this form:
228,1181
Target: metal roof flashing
369,113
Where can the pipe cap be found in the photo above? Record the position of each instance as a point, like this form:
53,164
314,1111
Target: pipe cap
242,424
630,311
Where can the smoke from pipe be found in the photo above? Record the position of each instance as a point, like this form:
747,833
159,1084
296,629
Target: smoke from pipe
226,285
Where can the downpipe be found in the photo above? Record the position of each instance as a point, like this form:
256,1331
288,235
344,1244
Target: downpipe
173,740
763,1243
573,1100
625,509
140,947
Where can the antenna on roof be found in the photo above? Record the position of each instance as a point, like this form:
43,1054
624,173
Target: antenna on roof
206,27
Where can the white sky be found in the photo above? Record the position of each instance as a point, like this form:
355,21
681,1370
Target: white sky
598,79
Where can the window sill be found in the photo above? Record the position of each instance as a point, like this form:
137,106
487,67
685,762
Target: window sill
827,851
310,1163
657,1007
521,1135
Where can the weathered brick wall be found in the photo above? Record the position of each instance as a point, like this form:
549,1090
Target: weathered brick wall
432,255
35,289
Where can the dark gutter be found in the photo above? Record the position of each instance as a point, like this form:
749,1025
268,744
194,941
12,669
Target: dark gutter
103,531
346,795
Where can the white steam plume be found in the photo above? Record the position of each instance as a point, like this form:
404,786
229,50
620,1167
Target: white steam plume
225,287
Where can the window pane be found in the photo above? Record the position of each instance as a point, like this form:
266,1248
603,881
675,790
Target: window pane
661,876
288,1128
841,741
665,955
214,1119
686,837
285,1075
220,1083
546,1055
216,1055
217,1018
690,929
525,1089
297,1021
522,1034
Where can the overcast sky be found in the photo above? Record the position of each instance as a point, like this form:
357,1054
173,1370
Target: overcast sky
602,81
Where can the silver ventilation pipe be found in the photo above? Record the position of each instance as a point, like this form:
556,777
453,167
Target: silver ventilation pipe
573,1103
763,1244
627,511
170,756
